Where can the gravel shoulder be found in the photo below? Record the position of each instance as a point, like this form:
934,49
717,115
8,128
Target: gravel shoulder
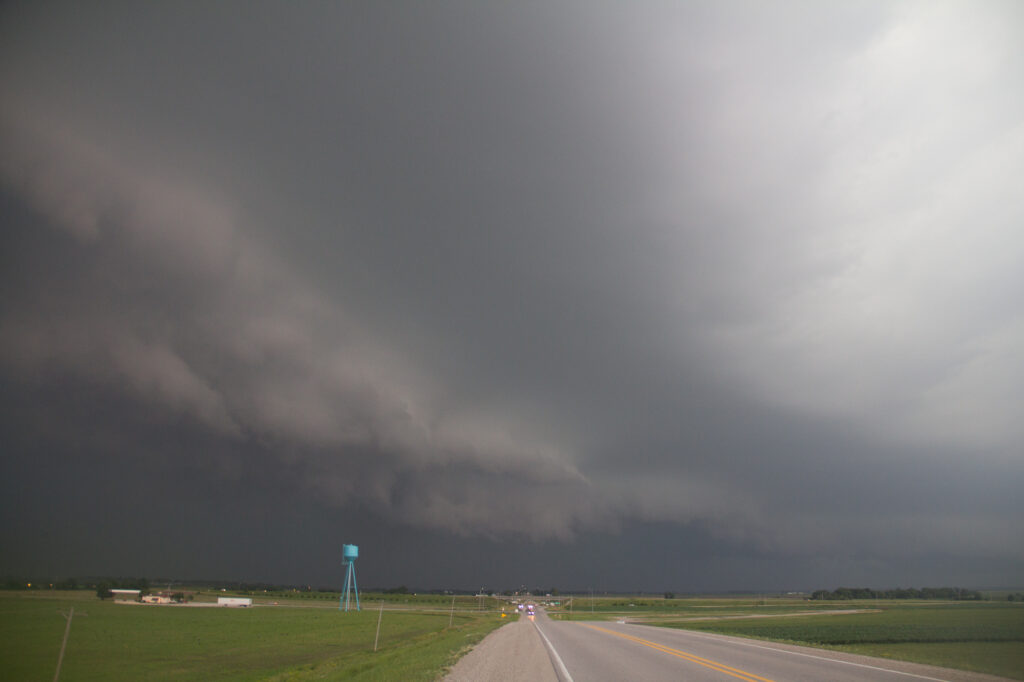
510,653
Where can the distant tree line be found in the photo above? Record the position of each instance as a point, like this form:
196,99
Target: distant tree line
76,584
47,584
949,593
239,586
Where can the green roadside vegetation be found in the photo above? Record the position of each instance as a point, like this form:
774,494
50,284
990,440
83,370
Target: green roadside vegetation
982,636
290,641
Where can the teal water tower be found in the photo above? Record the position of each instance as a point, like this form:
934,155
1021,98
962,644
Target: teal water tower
349,554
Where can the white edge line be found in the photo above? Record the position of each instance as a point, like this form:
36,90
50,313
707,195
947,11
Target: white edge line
820,658
558,659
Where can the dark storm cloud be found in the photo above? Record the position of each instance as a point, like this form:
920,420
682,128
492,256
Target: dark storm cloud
534,271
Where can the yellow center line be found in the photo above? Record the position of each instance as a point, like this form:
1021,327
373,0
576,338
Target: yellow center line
706,662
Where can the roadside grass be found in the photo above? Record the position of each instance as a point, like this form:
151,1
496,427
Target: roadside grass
423,658
1005,659
982,637
131,642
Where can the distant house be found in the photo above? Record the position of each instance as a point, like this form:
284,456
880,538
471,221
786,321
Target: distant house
126,595
176,595
156,599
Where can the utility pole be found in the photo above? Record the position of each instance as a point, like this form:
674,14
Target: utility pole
451,615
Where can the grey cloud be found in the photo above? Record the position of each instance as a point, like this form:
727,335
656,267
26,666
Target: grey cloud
262,353
544,271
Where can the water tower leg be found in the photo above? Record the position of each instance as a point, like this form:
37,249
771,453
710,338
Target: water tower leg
343,601
354,586
348,581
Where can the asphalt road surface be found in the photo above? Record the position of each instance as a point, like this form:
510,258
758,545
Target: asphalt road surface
597,651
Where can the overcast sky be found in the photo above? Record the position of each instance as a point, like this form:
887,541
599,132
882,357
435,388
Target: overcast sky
645,295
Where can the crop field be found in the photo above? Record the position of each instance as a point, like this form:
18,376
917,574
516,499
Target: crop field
287,642
652,609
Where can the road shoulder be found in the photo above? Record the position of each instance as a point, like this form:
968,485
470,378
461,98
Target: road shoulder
512,652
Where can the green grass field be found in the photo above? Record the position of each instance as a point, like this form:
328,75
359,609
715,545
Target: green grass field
288,642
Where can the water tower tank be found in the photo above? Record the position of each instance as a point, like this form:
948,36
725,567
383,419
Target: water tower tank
350,552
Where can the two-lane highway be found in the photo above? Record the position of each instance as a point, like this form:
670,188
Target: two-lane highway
585,652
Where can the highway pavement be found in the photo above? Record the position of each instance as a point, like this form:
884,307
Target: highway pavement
596,651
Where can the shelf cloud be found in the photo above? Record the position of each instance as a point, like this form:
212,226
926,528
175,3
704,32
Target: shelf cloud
532,273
